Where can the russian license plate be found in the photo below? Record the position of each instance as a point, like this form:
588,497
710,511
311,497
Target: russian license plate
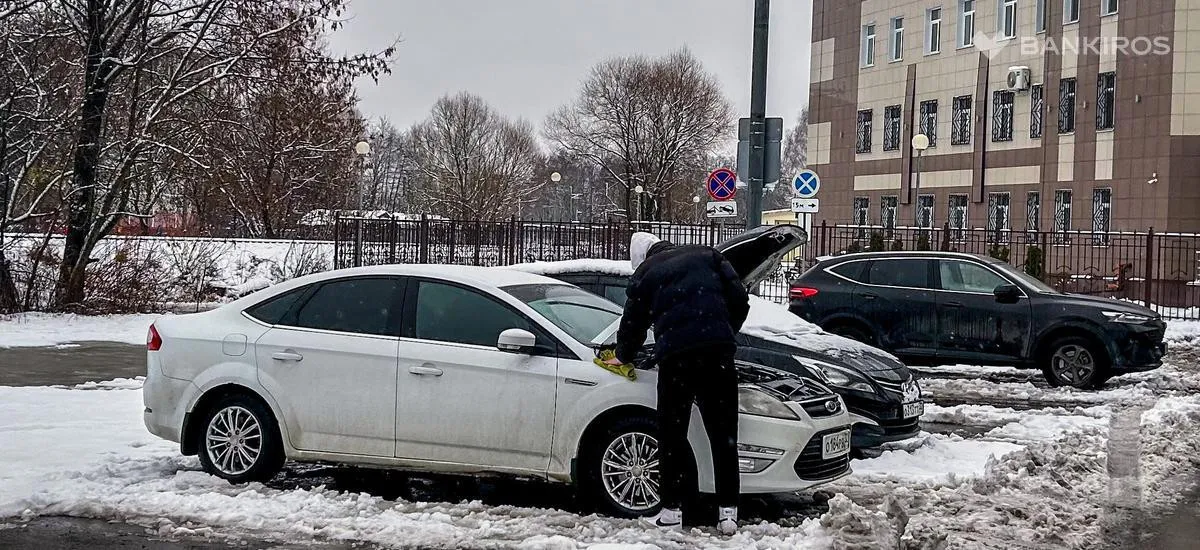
910,410
836,444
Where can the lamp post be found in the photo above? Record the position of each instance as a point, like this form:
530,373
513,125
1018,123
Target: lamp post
363,149
555,177
696,201
920,143
638,192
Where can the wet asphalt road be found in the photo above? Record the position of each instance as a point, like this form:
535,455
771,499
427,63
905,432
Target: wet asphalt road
91,361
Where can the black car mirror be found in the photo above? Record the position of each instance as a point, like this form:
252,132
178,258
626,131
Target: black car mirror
1007,294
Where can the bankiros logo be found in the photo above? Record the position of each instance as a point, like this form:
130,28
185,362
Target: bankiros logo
992,45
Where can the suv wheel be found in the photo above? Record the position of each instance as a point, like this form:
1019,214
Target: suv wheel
1075,361
240,441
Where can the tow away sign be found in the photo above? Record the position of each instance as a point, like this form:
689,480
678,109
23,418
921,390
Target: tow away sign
722,209
806,206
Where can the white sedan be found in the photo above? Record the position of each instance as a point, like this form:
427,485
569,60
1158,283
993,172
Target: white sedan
458,370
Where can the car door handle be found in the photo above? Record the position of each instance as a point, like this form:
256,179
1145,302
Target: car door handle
953,304
425,370
287,356
869,296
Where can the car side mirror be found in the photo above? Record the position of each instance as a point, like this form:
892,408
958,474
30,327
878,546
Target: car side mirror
1008,294
516,340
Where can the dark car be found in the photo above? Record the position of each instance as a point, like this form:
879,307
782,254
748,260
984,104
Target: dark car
880,392
937,308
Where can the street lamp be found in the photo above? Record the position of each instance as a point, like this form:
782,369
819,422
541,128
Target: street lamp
920,143
696,201
639,190
363,149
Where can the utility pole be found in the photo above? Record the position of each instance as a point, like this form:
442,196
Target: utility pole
758,113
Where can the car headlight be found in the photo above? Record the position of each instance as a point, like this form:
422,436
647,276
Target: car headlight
1128,318
839,377
757,402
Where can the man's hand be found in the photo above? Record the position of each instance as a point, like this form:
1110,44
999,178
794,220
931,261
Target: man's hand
614,362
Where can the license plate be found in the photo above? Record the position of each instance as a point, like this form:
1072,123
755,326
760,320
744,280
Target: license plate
834,445
909,410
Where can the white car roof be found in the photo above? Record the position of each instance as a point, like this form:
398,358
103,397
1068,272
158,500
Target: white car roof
477,276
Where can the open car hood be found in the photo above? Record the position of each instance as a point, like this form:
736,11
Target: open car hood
757,253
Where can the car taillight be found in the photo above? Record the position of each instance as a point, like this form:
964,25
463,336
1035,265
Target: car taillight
153,340
801,292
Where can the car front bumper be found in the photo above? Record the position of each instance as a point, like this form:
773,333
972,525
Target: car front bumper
1137,348
801,466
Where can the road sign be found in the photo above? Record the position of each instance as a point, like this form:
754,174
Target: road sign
806,184
722,184
722,209
806,206
774,130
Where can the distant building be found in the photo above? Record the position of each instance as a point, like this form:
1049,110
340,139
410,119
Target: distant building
1047,115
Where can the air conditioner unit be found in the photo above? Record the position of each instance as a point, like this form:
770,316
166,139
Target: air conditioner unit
1019,78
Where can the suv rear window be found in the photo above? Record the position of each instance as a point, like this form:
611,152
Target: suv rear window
855,271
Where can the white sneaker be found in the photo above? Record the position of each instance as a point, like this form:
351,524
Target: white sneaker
727,521
667,518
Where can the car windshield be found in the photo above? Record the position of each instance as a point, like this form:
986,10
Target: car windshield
579,313
1026,278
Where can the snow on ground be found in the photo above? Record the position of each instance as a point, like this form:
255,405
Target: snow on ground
49,329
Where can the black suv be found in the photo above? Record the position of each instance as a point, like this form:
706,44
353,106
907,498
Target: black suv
938,308
880,392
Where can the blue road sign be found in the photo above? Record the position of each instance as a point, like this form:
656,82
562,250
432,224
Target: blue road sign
722,184
806,184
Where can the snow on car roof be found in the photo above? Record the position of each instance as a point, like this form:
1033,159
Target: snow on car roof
605,267
462,273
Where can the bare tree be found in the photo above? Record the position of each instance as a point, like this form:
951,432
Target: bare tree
795,159
475,163
391,182
142,61
646,122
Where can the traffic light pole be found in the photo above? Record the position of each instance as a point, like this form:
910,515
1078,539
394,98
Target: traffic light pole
758,114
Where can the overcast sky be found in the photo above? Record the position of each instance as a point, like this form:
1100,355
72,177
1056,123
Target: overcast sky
527,57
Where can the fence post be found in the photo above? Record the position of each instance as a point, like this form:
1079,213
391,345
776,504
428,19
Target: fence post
822,239
423,240
514,230
338,250
358,243
393,236
1148,280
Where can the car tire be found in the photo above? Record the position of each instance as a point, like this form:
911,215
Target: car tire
240,440
1075,361
853,332
597,465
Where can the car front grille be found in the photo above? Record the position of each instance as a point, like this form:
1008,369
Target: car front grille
811,467
900,425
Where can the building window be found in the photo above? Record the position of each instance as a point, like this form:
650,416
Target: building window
1070,11
862,217
960,133
1101,215
925,211
897,38
929,121
958,216
1002,116
864,130
998,221
1033,214
891,128
1106,99
868,59
1108,7
1039,16
887,214
1062,216
1066,106
933,31
1037,109
1007,24
966,23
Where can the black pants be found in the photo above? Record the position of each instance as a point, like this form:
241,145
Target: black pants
706,378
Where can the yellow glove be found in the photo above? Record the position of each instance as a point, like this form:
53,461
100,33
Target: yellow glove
625,370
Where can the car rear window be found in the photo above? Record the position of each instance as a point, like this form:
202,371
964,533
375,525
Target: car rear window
272,310
855,271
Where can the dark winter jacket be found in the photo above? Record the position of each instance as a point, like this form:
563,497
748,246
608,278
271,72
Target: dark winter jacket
691,296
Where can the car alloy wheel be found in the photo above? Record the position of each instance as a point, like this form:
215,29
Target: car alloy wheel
234,440
629,470
1073,364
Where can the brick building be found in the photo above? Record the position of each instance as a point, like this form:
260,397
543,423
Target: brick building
1104,134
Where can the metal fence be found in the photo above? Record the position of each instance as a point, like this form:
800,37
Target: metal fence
362,242
1156,269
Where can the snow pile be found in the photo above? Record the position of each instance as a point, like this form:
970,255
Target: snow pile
134,383
934,457
46,329
774,322
1182,334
